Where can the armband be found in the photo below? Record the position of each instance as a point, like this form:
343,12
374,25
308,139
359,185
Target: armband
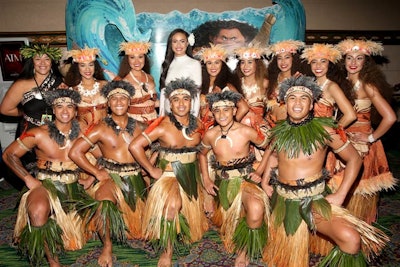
340,149
22,144
205,146
371,138
263,143
147,138
88,141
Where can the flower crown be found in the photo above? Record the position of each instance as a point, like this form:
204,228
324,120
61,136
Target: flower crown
130,48
29,51
366,47
290,46
83,55
253,52
213,52
327,51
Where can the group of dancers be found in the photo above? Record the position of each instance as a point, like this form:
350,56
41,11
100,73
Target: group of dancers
283,157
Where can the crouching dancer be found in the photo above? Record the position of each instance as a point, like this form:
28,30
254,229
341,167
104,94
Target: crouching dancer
301,201
47,222
118,196
174,208
243,205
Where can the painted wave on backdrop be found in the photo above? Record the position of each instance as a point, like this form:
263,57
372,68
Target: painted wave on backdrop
106,23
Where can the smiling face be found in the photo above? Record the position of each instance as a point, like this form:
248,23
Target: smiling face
180,104
319,66
42,64
224,115
64,112
86,69
248,67
179,44
214,67
119,104
298,106
354,62
136,61
284,61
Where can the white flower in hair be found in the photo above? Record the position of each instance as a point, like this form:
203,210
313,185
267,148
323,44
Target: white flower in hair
191,39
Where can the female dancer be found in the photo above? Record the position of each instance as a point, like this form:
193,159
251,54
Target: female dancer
322,59
217,77
254,82
369,84
25,97
253,76
86,76
135,69
178,63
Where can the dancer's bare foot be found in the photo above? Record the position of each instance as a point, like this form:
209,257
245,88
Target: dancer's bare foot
241,260
105,258
165,260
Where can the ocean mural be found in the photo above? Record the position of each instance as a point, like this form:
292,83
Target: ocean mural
106,23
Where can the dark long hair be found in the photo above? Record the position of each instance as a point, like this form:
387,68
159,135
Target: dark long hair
28,69
224,77
125,68
373,75
169,55
261,72
273,71
73,77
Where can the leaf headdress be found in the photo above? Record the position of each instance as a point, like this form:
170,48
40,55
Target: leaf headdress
29,51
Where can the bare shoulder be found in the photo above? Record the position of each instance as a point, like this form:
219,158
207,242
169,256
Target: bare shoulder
151,79
40,133
100,129
20,87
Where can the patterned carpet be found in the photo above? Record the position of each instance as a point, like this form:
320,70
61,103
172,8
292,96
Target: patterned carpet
208,252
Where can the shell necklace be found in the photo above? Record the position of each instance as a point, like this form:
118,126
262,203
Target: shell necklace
224,135
91,92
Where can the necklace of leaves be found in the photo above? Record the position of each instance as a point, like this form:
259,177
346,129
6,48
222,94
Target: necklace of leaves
186,130
306,136
130,127
224,135
61,138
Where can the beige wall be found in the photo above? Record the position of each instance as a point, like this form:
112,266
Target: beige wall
48,15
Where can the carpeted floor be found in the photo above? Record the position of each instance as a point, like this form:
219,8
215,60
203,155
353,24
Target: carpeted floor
209,251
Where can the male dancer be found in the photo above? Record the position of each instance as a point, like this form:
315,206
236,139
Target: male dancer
46,223
174,206
119,192
301,201
242,202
